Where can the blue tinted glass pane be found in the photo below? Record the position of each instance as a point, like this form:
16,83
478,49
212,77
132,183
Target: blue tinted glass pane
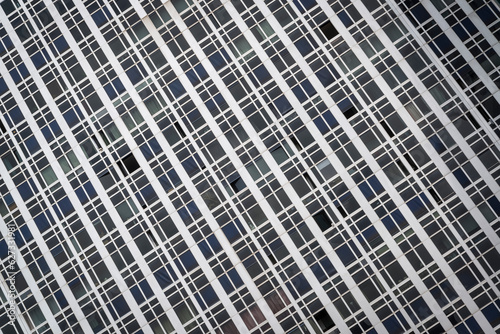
23,70
217,60
4,250
399,218
365,189
188,260
318,272
7,42
306,85
304,5
121,306
183,213
32,144
146,151
193,209
146,289
495,204
26,233
163,278
462,34
345,104
82,196
44,267
232,234
15,76
214,243
299,94
462,177
176,88
321,125
174,178
486,15
420,308
304,46
110,91
61,299
209,295
202,73
389,225
38,59
491,313
301,284
61,44
376,185
65,206
16,115
325,77
420,13
42,222
444,43
467,278
226,284
205,249
417,207
148,193
117,83
71,118
155,146
473,325
191,74
345,254
165,183
328,266
437,144
3,86
262,74
47,133
393,326
471,27
282,104
136,292
99,17
25,191
328,116
134,74
190,165
344,17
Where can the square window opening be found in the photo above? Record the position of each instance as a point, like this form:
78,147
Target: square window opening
130,164
329,30
324,320
350,112
237,185
324,222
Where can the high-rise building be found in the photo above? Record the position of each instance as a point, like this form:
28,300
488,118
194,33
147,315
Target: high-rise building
267,166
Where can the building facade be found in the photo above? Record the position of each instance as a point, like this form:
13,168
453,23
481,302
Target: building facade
267,166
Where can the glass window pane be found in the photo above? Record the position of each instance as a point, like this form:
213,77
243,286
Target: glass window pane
73,159
279,155
413,111
48,175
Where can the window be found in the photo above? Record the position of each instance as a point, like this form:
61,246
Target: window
237,184
279,154
326,169
2,127
324,222
11,160
324,320
130,164
329,30
48,175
